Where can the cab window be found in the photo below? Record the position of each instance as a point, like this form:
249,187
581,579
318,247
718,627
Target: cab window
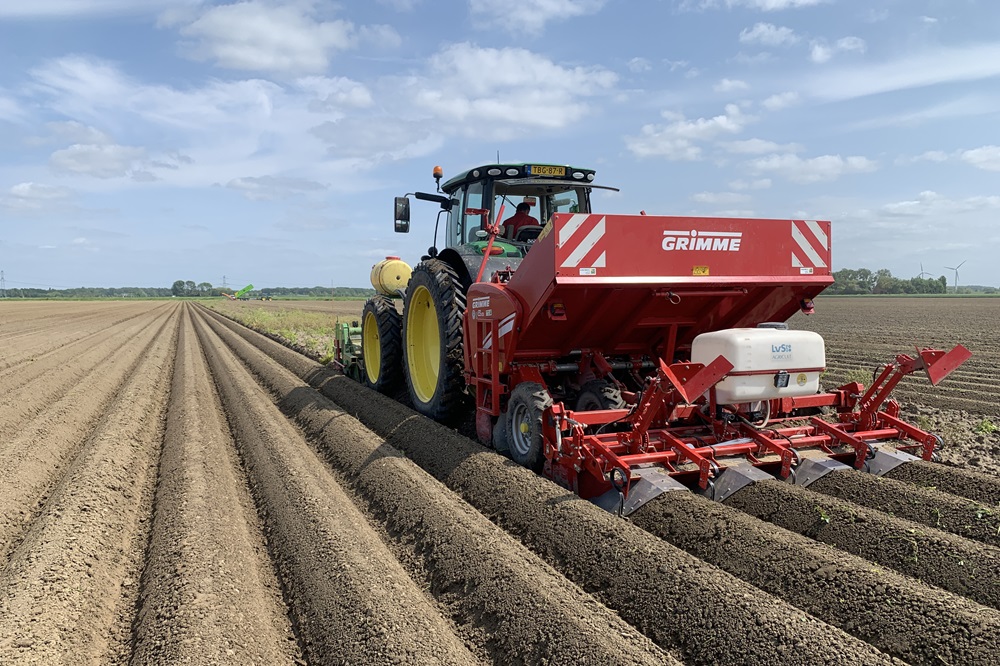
471,223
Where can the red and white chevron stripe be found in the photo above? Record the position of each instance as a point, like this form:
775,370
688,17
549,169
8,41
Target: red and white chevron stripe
581,236
812,244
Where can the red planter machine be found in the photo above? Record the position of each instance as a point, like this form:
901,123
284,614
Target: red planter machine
624,299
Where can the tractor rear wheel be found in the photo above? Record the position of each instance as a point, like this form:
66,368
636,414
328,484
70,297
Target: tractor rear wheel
381,345
599,394
525,410
432,341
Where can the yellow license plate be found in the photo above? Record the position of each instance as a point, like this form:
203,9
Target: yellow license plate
537,170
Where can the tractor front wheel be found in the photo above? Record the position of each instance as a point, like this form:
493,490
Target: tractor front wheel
381,345
432,336
525,410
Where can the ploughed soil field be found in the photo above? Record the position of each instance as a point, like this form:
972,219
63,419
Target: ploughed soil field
177,488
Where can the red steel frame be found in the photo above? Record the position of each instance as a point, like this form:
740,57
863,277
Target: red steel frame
603,293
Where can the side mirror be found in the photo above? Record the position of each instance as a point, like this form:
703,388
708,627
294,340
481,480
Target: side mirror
402,215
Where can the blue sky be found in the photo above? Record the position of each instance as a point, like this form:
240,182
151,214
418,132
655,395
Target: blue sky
143,142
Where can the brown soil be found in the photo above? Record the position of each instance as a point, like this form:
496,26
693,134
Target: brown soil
522,610
209,588
680,602
958,565
861,333
157,506
962,482
914,622
906,494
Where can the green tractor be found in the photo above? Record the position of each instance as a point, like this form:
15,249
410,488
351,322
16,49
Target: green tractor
421,346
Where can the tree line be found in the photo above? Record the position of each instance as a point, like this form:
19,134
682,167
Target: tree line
881,281
864,281
190,288
184,288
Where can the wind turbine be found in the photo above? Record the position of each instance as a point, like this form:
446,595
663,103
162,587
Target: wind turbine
955,268
922,271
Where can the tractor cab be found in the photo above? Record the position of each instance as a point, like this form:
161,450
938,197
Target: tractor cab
475,199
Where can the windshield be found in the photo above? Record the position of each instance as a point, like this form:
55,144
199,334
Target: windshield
543,204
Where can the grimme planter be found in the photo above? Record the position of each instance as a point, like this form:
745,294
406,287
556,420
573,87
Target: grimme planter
629,355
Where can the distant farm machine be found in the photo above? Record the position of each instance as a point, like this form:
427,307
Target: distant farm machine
624,356
240,295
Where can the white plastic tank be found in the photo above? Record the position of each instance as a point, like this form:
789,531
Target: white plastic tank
768,363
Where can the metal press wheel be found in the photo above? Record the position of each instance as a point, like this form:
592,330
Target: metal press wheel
381,345
525,410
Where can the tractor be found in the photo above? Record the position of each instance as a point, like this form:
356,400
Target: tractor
624,356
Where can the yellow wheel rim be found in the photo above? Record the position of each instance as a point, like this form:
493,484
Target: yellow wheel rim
371,348
423,344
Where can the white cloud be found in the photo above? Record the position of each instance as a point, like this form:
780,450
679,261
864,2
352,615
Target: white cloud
37,198
720,197
400,5
813,170
851,44
99,161
39,191
335,93
928,19
677,139
755,59
928,156
529,16
523,89
262,188
730,85
819,52
758,184
382,37
762,5
258,36
768,34
66,8
930,203
378,137
638,65
930,67
76,132
760,147
986,157
780,101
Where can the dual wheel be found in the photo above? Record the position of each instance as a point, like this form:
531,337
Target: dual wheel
423,346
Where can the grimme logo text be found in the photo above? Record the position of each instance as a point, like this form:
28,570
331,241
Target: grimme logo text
719,241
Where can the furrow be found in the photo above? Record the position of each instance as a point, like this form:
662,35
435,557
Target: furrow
65,587
522,611
920,504
680,602
31,390
58,341
208,590
31,461
961,566
962,482
352,602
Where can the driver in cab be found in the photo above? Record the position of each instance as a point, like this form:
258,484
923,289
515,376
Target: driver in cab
521,218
